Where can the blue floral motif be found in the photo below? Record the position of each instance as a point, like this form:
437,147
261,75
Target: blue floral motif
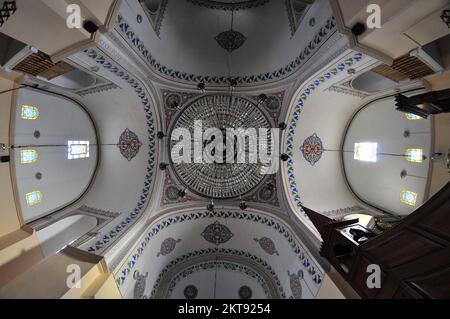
132,216
312,149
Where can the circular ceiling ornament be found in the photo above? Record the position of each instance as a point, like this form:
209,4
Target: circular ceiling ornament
190,292
173,101
215,167
172,193
312,149
272,103
229,5
129,144
245,292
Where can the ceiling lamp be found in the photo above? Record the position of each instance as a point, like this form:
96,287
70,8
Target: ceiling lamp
182,193
231,40
210,207
284,157
201,86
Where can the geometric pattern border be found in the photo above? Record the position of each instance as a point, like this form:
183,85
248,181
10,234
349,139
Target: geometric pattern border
132,216
229,6
313,271
124,28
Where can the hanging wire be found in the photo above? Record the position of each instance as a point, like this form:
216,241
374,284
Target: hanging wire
215,278
381,154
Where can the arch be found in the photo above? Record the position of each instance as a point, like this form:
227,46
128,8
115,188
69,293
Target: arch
59,121
188,233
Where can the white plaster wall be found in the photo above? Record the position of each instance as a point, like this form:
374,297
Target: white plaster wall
56,236
119,182
322,186
379,183
63,180
186,42
244,232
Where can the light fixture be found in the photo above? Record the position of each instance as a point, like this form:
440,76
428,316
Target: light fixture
233,83
210,207
5,159
163,166
282,126
160,135
201,86
366,152
182,193
243,205
284,157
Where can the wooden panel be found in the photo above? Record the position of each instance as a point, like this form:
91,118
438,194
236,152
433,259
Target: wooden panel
436,285
403,248
412,67
437,222
58,69
405,292
358,279
35,64
390,73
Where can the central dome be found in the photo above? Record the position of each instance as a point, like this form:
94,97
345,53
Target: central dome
220,173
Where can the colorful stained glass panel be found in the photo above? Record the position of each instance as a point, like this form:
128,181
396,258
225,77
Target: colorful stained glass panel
366,152
28,156
34,198
29,112
412,117
408,198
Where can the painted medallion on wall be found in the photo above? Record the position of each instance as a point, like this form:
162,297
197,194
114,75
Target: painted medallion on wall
230,40
139,286
312,149
167,246
296,286
217,233
129,144
190,292
267,245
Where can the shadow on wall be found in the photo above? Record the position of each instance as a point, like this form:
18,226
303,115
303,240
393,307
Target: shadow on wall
60,234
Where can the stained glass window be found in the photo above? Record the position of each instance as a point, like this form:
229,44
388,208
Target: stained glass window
34,198
28,156
412,117
366,152
77,149
29,112
414,155
408,198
